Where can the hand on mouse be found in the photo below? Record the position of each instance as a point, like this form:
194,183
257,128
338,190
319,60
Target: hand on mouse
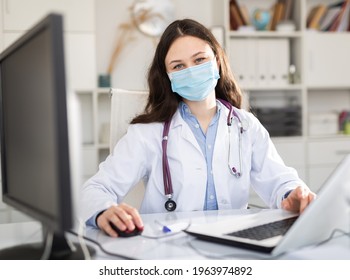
122,216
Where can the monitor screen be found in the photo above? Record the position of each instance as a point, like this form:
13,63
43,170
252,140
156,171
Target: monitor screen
34,134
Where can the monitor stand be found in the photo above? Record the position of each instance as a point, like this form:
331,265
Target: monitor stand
60,250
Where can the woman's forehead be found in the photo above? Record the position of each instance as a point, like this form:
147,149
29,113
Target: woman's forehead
185,47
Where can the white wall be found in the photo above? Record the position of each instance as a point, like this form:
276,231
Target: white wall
131,68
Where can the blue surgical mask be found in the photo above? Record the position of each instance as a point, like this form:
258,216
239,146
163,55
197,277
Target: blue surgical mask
197,82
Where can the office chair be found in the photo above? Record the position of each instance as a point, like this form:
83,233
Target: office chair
126,104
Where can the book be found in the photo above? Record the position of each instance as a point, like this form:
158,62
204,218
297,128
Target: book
277,15
288,9
344,18
335,24
330,16
236,18
316,16
245,14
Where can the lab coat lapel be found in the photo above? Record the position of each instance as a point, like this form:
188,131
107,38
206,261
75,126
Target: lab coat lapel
186,132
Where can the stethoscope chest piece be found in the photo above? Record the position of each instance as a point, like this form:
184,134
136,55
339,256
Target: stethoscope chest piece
170,205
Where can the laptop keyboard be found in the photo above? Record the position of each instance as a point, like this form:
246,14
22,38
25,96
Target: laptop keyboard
265,231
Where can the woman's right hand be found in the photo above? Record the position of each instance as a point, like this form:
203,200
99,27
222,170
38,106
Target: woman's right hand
123,216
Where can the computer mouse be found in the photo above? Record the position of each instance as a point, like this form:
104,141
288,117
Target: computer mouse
126,233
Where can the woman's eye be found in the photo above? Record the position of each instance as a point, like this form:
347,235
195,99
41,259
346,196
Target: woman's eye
178,66
199,60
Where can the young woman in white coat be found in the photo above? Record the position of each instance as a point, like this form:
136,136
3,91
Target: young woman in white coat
191,153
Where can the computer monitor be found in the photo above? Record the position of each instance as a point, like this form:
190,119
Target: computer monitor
34,138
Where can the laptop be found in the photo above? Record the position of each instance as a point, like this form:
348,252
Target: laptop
330,211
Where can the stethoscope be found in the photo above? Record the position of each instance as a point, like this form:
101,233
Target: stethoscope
170,204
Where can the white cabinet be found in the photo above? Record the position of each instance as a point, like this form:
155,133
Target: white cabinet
323,156
327,66
293,152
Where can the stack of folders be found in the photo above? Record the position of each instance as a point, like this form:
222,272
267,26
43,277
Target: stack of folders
284,121
260,62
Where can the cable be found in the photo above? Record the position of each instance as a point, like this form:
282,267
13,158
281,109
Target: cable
100,247
48,246
81,240
332,236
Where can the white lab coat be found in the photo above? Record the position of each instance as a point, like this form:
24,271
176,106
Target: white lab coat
138,155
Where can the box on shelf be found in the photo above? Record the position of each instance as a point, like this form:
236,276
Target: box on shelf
284,121
323,124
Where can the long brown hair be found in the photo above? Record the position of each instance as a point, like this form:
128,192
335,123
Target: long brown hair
162,102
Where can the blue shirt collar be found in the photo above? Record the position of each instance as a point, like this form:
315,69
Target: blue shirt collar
189,117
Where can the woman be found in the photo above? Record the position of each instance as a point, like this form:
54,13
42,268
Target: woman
211,164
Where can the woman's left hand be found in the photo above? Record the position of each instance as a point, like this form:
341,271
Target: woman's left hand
298,199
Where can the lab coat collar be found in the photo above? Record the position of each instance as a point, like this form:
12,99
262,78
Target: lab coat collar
186,133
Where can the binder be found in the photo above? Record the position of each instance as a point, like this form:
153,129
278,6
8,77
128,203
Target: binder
273,61
263,61
260,62
279,62
243,61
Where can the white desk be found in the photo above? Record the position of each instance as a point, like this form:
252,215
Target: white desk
179,246
183,246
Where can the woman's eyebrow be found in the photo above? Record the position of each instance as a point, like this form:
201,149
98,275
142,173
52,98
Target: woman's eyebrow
175,61
194,55
198,53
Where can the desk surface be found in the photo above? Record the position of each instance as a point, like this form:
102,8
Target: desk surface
154,244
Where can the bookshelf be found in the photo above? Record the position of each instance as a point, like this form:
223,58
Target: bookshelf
317,83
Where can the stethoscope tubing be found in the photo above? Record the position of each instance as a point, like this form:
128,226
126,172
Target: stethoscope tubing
170,204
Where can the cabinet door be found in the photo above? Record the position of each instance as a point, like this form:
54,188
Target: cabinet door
327,152
327,59
323,157
293,154
19,15
318,175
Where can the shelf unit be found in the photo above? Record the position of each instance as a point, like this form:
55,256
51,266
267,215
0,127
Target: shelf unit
321,89
95,116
